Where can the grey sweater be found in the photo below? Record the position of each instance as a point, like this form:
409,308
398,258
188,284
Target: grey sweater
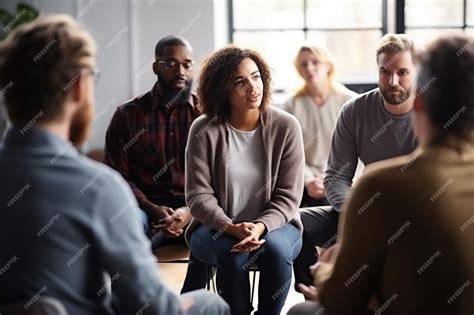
206,172
364,130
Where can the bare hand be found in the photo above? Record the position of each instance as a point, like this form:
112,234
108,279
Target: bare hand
252,241
315,188
309,292
327,253
240,230
173,224
155,212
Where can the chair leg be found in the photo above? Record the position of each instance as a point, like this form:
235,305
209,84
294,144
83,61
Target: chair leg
254,276
210,280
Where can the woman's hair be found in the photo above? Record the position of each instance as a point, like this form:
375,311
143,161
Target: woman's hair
217,76
322,55
39,62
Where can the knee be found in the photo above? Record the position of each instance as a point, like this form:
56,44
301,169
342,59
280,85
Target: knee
200,248
281,249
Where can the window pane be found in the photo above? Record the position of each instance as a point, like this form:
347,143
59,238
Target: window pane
268,14
354,52
470,12
424,36
344,13
279,49
434,12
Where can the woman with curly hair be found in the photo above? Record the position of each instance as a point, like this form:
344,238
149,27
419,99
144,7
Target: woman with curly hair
244,181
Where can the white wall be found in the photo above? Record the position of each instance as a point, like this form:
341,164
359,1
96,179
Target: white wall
126,32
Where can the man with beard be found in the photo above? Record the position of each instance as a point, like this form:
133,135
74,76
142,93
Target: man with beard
411,251
67,221
146,141
373,126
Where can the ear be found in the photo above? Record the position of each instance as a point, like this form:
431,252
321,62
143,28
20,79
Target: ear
79,89
155,67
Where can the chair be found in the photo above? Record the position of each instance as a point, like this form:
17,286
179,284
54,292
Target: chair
42,306
253,269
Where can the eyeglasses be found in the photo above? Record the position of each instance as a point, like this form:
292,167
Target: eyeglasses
95,72
173,64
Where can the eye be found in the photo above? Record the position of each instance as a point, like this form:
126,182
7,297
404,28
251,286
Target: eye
170,63
404,72
257,76
238,82
188,64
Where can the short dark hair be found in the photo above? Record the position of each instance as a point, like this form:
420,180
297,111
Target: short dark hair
446,83
216,78
170,41
38,61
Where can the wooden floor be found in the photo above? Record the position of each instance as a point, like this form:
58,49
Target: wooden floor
173,275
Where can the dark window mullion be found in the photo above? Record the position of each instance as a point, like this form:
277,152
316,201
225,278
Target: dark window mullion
305,19
464,14
400,17
230,4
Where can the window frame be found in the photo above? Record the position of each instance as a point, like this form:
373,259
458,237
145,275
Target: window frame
397,11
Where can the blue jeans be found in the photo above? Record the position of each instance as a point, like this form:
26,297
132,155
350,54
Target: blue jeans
274,260
196,275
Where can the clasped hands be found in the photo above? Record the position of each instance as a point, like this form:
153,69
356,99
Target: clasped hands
249,235
168,221
315,187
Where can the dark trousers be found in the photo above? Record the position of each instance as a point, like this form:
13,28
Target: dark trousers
307,201
320,228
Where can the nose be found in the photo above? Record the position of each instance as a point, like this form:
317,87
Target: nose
251,85
181,69
394,79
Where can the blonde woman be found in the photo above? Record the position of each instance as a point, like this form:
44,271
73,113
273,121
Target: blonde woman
316,106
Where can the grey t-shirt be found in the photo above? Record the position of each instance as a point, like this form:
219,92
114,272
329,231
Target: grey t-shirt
364,130
245,173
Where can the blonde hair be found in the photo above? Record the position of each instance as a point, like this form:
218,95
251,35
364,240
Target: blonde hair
38,61
322,55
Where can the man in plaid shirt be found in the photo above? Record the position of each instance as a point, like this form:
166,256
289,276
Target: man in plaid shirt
146,141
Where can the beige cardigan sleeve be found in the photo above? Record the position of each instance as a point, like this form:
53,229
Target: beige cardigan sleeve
200,194
285,195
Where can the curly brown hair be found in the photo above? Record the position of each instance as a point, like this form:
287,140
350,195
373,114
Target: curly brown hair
216,78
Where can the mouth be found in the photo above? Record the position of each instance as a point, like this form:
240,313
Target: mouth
395,91
180,83
253,98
